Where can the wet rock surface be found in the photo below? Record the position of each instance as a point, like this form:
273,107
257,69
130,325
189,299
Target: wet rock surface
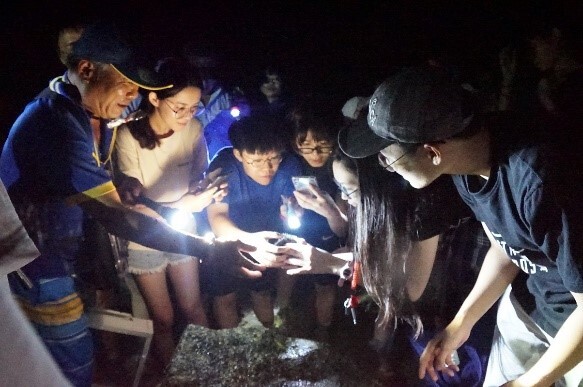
255,356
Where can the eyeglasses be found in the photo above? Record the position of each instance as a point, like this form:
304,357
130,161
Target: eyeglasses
183,111
383,161
318,149
343,189
263,162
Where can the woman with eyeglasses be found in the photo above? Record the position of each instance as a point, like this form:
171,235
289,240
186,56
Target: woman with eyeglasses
161,158
323,221
407,252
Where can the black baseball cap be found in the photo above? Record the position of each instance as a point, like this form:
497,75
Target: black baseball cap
416,105
104,42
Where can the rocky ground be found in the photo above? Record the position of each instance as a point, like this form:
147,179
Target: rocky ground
251,355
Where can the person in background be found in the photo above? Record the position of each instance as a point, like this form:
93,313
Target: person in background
162,158
272,95
259,173
54,167
66,37
221,105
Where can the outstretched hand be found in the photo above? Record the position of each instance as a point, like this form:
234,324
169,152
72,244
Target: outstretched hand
307,259
241,259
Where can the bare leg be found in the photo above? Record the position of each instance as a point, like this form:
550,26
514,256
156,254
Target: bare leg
263,307
225,311
285,286
325,297
184,276
154,289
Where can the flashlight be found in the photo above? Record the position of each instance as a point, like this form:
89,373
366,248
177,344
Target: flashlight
180,220
293,220
235,112
137,115
177,219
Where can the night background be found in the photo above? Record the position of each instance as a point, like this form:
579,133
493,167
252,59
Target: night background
336,49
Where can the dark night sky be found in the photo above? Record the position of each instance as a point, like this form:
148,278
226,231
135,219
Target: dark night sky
340,47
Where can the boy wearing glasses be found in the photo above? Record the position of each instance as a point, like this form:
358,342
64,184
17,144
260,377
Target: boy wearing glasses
259,174
525,191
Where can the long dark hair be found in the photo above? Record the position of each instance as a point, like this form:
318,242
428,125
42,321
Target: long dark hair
381,237
181,75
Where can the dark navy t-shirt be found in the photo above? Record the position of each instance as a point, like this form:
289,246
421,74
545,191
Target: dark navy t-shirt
530,204
254,207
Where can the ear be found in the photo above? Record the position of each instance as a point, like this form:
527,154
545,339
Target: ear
433,151
237,154
86,70
153,98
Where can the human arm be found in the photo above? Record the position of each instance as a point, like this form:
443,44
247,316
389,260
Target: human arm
312,260
419,266
496,274
223,226
200,162
141,225
323,204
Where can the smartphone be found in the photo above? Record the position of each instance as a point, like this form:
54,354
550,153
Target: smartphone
302,183
212,179
283,239
217,181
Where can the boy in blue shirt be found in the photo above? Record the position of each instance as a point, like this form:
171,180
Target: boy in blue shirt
259,174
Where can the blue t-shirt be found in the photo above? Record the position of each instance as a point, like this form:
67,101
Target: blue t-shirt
530,204
254,207
50,164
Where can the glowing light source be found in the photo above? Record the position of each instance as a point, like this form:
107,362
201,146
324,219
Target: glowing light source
181,220
208,237
235,112
293,220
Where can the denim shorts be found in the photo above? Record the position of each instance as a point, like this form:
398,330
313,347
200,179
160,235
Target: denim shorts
153,261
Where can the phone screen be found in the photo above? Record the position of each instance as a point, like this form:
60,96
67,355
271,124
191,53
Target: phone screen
302,183
217,181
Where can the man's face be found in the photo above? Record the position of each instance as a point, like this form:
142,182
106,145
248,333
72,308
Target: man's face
414,166
108,93
261,167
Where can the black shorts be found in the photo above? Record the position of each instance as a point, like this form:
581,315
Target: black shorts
215,282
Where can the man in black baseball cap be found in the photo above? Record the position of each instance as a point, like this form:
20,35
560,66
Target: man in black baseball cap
525,191
414,107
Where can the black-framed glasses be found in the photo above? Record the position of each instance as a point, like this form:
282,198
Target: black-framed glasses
384,162
182,111
318,149
343,189
272,161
